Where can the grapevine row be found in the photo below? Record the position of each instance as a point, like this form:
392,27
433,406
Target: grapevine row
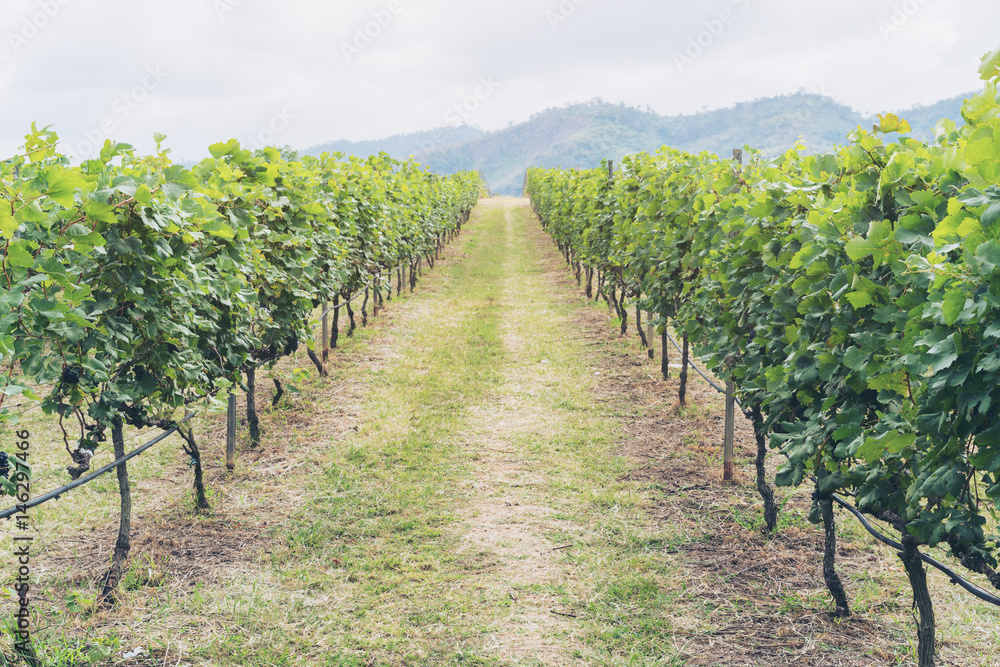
132,288
854,299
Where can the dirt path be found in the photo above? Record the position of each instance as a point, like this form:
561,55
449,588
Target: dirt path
511,512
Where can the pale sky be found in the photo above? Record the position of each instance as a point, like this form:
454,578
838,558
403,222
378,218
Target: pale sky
304,72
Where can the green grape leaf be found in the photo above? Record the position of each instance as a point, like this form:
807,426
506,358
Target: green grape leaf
890,122
953,305
63,185
8,224
855,358
988,255
989,67
18,255
861,298
220,229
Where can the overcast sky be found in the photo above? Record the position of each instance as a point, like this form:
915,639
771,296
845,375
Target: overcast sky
303,72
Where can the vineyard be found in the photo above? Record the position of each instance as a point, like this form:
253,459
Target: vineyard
852,298
137,291
454,484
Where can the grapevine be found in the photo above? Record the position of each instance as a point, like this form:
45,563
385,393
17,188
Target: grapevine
132,288
854,299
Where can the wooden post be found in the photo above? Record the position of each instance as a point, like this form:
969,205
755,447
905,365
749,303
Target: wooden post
649,334
326,332
231,433
727,456
729,437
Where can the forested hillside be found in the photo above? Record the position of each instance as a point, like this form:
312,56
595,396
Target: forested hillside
581,135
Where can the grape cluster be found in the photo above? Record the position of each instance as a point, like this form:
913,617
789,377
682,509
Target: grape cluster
71,375
4,465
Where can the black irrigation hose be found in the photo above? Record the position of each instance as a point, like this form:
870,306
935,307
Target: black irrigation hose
34,502
698,370
954,576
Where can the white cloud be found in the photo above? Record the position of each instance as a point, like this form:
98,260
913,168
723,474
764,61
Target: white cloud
234,64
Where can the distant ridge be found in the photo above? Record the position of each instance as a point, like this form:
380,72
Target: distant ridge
401,146
581,135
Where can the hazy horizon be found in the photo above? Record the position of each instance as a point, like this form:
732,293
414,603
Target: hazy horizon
566,105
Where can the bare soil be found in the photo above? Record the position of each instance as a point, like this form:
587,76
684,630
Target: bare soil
508,518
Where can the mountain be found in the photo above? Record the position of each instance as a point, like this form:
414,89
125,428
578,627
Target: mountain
580,135
401,146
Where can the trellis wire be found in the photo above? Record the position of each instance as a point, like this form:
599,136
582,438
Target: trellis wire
54,495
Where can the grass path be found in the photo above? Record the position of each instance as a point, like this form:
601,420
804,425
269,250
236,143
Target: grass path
476,515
